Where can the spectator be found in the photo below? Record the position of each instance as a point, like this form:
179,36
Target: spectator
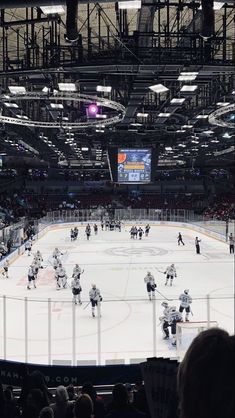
120,407
34,404
62,408
46,412
206,376
71,393
140,399
98,405
83,407
11,410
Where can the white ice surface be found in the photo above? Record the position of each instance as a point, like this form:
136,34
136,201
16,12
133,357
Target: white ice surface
118,266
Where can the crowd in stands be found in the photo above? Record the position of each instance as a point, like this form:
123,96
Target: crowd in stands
222,209
37,401
15,205
205,389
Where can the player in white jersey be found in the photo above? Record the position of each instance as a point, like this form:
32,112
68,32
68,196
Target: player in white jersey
77,271
164,320
61,277
31,277
56,262
57,253
150,284
170,274
174,316
95,298
28,247
36,267
76,290
185,302
5,269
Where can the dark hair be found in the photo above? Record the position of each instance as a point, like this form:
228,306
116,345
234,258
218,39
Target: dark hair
120,395
206,376
83,407
89,389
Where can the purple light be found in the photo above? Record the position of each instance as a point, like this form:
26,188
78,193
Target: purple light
92,109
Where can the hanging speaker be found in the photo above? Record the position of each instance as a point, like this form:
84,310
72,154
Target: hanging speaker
72,34
208,19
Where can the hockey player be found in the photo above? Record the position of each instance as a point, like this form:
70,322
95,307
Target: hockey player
61,277
197,245
135,232
88,231
28,247
95,229
56,253
95,298
31,277
147,229
102,225
164,320
56,262
77,271
231,243
170,274
180,239
72,234
75,233
140,232
76,290
132,232
35,267
174,316
185,301
5,269
150,284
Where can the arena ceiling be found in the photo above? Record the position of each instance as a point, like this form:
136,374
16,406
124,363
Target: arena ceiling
35,55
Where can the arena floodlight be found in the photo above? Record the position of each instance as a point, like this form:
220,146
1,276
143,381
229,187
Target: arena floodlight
13,105
57,106
221,104
17,89
99,116
201,116
189,88
53,9
177,101
187,76
67,87
164,115
132,4
158,88
142,115
104,89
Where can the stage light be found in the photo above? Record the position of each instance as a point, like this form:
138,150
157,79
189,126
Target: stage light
132,4
189,88
51,10
17,89
104,89
177,101
67,87
158,88
92,110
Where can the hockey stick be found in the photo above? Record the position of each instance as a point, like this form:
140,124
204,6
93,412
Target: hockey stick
161,271
191,311
162,295
87,305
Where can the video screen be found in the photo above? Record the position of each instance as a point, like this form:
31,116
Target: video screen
134,165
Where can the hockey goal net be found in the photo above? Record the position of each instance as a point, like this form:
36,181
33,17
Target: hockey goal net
187,331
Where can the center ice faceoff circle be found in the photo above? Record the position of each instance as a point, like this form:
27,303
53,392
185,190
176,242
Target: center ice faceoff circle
126,252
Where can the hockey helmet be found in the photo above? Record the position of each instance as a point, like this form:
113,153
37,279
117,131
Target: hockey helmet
165,304
93,286
148,273
172,265
186,291
173,309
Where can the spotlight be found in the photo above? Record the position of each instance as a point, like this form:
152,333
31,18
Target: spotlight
92,110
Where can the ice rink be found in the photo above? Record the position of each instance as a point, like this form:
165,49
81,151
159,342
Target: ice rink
118,266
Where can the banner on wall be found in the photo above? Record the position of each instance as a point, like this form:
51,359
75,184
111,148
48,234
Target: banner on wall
12,373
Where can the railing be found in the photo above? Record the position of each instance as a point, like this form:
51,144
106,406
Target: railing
59,332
